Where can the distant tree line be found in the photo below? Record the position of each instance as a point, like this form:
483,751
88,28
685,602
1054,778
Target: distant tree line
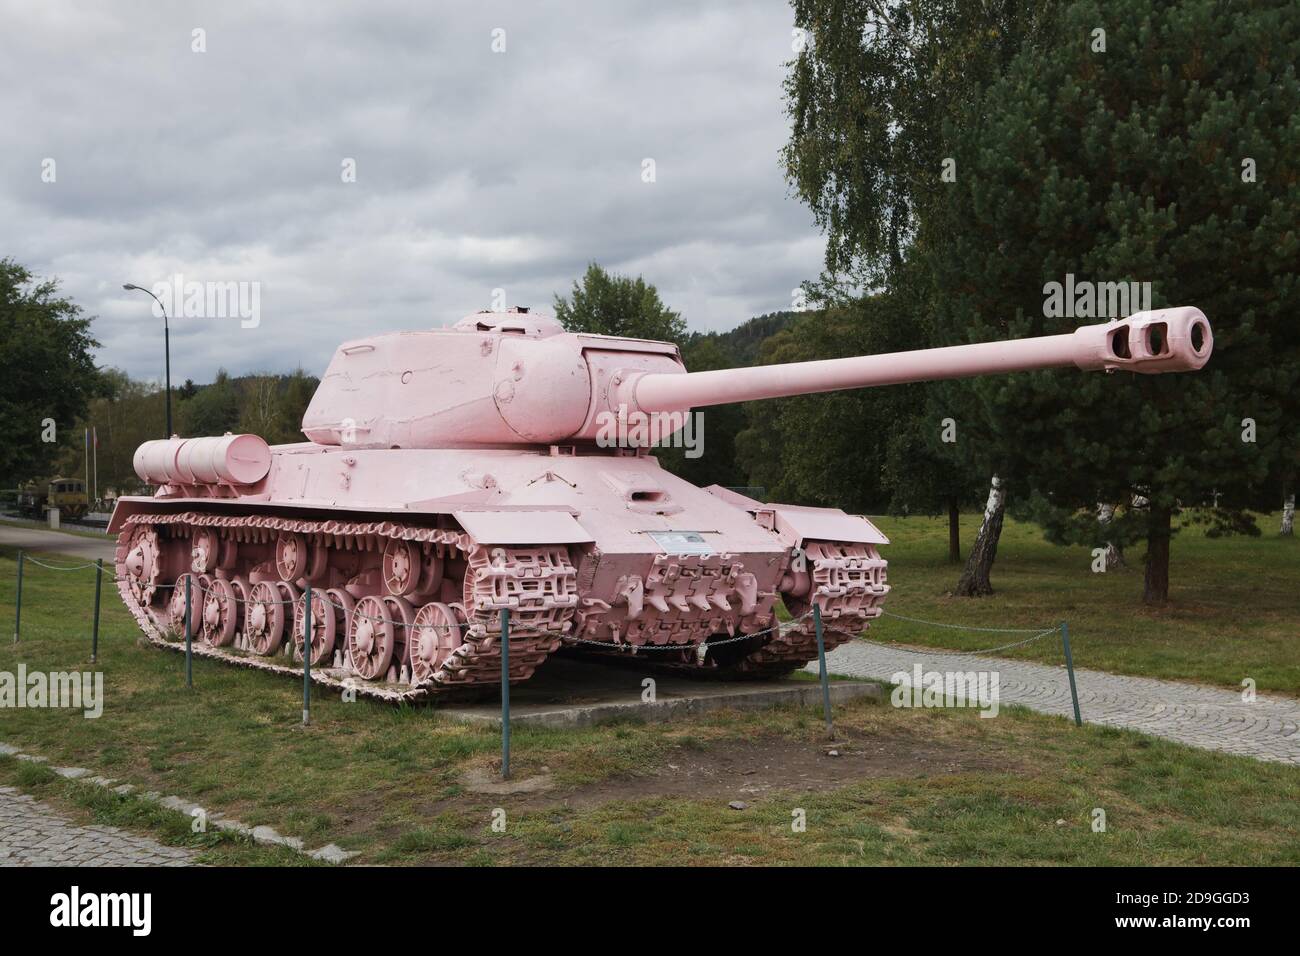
132,412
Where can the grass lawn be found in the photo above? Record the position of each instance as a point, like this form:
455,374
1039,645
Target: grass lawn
408,786
1234,608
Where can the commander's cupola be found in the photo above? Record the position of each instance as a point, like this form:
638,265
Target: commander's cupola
516,321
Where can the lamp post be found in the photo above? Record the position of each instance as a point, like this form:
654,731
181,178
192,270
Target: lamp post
167,350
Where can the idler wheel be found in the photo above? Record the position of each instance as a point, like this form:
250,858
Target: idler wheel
371,638
291,556
401,567
143,564
264,619
438,631
324,627
176,605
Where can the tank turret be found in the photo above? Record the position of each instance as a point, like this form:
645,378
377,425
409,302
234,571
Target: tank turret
454,473
517,378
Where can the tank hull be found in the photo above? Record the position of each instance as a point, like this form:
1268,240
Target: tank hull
411,554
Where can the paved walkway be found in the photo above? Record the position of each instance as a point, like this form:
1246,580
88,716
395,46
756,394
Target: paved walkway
1209,717
57,542
35,834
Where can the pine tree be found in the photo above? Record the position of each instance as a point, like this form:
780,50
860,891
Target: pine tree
1165,152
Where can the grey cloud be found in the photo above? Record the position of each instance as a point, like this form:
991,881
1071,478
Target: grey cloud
475,170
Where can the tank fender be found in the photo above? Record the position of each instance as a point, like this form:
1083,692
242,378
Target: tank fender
797,523
522,527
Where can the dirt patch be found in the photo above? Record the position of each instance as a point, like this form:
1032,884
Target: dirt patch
744,769
482,780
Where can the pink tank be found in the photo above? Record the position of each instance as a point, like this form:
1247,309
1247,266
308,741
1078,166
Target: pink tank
504,464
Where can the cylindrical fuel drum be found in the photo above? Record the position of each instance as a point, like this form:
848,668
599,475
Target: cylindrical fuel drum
228,459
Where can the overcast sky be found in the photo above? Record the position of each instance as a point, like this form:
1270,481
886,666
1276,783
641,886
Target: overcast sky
475,170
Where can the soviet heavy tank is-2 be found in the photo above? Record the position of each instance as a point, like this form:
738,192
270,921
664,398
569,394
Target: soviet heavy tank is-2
451,473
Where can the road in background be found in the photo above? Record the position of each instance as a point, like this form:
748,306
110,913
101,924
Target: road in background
56,542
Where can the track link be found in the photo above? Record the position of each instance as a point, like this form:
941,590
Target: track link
847,581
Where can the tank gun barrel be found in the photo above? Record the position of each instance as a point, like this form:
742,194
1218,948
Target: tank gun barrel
1163,340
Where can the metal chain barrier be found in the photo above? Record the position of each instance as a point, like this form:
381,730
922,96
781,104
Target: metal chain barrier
1063,629
965,627
55,567
631,649
1038,635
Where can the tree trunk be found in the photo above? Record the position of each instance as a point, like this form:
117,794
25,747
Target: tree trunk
974,580
1156,587
954,532
1288,515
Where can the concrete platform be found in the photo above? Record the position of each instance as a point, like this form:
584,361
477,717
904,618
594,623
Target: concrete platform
566,692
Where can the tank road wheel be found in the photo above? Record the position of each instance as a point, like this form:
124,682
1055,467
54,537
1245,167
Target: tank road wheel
341,604
371,639
203,550
176,605
220,614
403,614
143,564
242,590
324,627
291,556
438,631
264,619
401,567
289,599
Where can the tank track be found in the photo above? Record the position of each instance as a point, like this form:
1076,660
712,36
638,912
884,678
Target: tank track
847,579
539,589
849,583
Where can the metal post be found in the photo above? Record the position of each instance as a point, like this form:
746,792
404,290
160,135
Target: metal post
1069,666
18,602
306,657
167,358
821,666
189,646
94,632
505,693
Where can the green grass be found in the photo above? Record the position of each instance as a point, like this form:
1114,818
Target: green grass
391,783
1234,608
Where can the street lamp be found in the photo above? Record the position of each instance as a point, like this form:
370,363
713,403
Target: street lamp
167,350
